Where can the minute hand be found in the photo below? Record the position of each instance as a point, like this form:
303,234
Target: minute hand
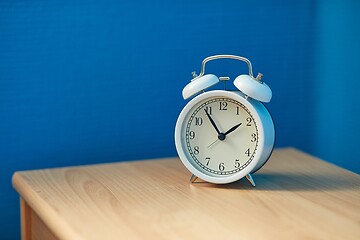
212,122
232,129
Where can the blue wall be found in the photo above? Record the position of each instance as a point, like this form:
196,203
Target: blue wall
86,82
336,84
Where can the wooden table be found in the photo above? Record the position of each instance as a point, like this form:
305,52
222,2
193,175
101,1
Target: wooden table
297,197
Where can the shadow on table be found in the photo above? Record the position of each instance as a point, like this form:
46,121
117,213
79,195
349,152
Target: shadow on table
290,182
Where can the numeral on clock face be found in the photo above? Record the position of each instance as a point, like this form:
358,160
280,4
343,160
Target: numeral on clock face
196,150
207,161
223,105
198,121
221,135
208,109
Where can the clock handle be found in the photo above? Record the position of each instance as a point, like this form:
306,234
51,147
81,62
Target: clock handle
247,61
248,84
252,87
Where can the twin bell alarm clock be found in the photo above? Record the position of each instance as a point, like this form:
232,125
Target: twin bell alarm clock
222,136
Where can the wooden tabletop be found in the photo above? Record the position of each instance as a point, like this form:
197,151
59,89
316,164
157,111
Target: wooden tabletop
297,196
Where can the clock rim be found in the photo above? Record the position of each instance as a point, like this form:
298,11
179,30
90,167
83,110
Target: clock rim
181,149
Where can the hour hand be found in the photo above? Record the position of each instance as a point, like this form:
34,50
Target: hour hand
232,129
212,122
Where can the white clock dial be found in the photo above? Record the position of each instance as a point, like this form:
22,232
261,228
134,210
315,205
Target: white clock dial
221,136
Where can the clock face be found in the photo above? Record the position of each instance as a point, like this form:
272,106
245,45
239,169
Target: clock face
219,136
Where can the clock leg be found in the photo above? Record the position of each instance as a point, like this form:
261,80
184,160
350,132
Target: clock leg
250,179
193,178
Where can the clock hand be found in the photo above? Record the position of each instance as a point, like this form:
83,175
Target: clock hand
212,121
213,143
232,129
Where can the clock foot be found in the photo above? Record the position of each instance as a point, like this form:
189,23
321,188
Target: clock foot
193,178
250,179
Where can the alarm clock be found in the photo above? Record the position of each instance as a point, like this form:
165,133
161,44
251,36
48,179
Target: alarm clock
222,136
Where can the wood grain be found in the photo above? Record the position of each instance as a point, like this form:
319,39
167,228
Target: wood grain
297,197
